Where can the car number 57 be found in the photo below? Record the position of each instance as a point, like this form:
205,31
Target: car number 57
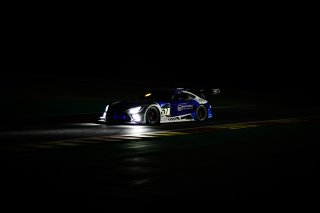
165,111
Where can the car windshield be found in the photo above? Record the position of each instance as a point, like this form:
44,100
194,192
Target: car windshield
157,95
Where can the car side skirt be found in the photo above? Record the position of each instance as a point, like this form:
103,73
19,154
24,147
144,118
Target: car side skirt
181,118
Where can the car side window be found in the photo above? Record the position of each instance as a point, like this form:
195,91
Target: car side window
180,96
190,97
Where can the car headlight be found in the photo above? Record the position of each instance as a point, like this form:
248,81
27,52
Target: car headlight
107,107
134,110
136,117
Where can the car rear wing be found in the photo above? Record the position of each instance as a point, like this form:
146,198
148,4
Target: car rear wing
215,91
203,93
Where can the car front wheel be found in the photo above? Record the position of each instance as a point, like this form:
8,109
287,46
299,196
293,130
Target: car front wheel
153,116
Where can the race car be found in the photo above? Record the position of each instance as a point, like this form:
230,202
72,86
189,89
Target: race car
161,106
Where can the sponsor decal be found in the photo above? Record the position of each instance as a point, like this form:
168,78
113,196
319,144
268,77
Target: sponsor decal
183,107
173,119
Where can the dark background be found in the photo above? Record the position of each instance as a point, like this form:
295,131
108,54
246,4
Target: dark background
62,64
271,50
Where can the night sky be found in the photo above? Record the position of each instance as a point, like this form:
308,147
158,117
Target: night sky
249,52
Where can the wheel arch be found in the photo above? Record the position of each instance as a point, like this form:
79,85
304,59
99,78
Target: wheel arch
157,106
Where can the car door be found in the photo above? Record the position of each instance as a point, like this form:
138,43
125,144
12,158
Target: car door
181,105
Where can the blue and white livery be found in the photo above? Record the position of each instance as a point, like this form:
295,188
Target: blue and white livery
160,106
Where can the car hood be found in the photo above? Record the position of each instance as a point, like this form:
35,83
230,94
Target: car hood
124,105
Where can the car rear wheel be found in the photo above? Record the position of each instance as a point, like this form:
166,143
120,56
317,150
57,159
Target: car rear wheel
201,113
153,116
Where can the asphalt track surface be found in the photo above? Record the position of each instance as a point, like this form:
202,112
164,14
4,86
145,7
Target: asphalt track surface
246,157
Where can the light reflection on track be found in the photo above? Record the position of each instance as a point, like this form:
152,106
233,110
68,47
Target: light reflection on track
133,133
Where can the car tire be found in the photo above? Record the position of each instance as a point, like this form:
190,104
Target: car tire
152,116
201,113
